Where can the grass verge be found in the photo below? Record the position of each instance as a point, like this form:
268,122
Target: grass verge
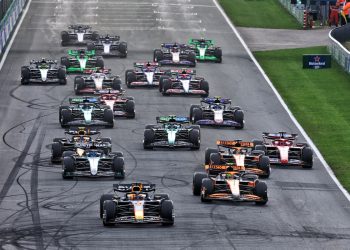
319,99
259,14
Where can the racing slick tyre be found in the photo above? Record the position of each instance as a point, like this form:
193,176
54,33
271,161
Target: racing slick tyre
56,150
192,58
68,167
215,158
195,139
148,138
204,85
130,109
264,165
218,55
90,46
161,196
118,167
25,73
261,148
193,106
106,140
166,86
108,117
123,49
95,36
239,118
62,75
197,115
158,55
167,213
161,82
118,154
208,152
109,211
64,38
206,189
261,191
104,197
100,63
130,77
306,157
197,182
65,61
67,153
79,84
66,116
257,142
117,84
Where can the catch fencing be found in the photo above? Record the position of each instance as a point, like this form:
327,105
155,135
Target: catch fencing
338,37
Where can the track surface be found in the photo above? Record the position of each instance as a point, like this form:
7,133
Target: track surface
41,211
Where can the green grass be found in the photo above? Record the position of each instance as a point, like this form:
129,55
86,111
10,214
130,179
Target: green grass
319,99
259,14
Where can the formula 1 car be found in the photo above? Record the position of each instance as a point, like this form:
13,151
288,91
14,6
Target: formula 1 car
217,112
172,132
81,137
93,163
230,186
95,82
184,81
122,106
78,35
43,71
85,111
145,75
236,153
109,46
82,61
205,50
283,150
175,54
136,206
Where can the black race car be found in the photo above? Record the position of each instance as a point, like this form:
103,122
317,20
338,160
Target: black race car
43,71
109,46
175,54
137,206
93,163
81,137
78,35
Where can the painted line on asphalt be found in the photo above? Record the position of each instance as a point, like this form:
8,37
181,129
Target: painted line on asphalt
308,139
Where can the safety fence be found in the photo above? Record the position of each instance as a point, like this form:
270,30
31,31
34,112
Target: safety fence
297,10
338,36
9,21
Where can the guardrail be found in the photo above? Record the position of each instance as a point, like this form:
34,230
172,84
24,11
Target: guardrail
9,21
337,49
297,10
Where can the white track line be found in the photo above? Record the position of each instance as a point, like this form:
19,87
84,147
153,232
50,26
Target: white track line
318,153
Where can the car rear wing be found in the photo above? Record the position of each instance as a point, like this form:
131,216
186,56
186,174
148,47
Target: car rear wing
279,135
140,187
183,71
48,61
216,100
111,38
223,168
145,64
77,52
170,45
81,131
79,26
109,91
235,144
86,99
171,118
195,41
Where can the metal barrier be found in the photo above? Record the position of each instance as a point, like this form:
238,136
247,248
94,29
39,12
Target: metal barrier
9,21
336,48
297,10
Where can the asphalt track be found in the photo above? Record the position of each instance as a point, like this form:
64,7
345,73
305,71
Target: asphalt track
39,210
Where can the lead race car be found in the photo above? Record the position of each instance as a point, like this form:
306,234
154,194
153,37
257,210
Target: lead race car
145,75
137,206
122,106
78,35
85,111
109,46
82,61
43,71
205,50
175,54
93,163
185,82
81,137
172,132
101,79
217,111
283,150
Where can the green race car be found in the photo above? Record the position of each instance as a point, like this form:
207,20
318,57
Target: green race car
205,50
82,61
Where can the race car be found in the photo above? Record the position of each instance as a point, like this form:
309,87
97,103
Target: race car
236,153
78,35
81,137
110,46
82,61
93,163
283,150
184,81
137,206
175,54
122,106
217,111
230,186
144,75
43,71
172,132
85,111
96,81
205,50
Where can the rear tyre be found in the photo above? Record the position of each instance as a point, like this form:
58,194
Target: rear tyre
158,55
56,150
161,196
208,152
108,117
264,165
193,106
215,158
123,49
66,117
261,191
218,55
197,182
79,84
239,118
90,46
100,63
195,139
68,167
167,213
109,211
161,82
204,85
95,36
65,62
166,86
197,115
118,167
306,157
64,38
117,84
130,109
25,73
130,77
104,197
206,189
148,139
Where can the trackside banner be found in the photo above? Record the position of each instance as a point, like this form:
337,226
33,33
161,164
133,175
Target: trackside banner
318,61
9,21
